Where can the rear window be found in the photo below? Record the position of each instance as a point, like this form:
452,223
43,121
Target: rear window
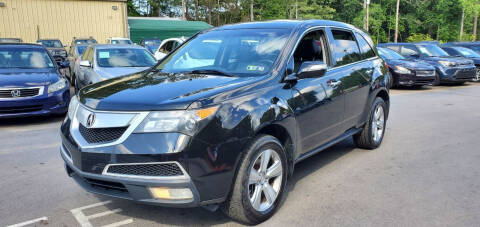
346,49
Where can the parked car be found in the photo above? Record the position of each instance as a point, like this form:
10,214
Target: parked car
228,131
167,46
407,72
102,62
74,57
475,46
459,51
11,40
448,69
81,41
151,44
55,47
118,40
31,82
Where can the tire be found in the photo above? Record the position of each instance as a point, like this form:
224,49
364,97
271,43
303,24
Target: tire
436,82
239,206
370,138
76,86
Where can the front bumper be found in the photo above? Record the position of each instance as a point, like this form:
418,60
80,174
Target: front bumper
54,103
457,74
412,79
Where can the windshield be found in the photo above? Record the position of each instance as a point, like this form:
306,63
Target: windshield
467,52
85,41
121,41
123,57
27,58
389,54
242,52
432,51
81,49
152,48
51,43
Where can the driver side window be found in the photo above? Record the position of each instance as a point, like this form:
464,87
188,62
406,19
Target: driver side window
310,48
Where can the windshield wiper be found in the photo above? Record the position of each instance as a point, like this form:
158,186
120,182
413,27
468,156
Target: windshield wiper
211,71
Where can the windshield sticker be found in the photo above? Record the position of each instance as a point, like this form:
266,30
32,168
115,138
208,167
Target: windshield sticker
104,54
255,68
50,65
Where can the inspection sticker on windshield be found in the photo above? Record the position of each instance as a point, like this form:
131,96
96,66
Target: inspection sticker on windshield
255,68
104,54
50,65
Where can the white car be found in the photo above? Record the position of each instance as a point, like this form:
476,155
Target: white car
118,40
167,46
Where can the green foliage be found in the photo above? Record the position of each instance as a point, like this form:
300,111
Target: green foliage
436,19
417,37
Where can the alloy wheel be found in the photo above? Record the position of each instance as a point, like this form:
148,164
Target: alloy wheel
378,123
265,180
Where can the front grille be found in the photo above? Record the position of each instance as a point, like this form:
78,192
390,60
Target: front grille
106,185
425,73
465,74
20,109
101,135
19,92
156,170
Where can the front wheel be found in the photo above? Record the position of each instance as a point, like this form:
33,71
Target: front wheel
372,134
436,82
260,183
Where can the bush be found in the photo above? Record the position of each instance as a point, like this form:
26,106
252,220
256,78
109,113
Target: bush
417,37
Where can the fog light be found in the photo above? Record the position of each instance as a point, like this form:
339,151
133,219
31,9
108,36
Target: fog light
171,193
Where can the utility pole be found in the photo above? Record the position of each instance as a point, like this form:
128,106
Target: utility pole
368,14
475,25
296,9
396,21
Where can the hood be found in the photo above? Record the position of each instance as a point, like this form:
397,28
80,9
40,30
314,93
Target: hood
27,77
411,64
458,60
157,91
112,72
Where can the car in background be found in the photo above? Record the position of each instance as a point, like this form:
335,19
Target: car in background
55,47
118,40
223,119
460,51
82,41
167,46
151,44
407,72
31,82
448,69
106,61
74,57
475,46
11,40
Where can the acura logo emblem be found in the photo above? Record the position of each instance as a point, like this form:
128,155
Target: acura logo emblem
15,93
90,120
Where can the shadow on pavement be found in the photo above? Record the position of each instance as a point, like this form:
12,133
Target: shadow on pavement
24,121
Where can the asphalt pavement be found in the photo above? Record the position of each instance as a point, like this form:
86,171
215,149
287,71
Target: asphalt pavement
426,173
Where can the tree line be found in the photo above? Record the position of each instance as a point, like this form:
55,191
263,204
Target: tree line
443,20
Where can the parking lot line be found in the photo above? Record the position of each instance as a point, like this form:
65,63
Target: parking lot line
44,219
83,220
104,213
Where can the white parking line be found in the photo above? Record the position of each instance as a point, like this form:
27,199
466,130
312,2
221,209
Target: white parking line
84,220
29,222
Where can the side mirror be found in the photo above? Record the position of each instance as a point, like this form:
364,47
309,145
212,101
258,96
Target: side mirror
64,64
64,45
85,63
312,69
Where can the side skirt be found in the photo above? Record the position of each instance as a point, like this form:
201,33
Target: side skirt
345,135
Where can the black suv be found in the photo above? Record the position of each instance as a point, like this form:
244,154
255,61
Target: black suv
222,120
55,47
448,69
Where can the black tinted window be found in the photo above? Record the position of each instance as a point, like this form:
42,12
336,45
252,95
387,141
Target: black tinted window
346,49
365,48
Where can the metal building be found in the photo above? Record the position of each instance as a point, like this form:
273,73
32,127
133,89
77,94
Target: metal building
63,19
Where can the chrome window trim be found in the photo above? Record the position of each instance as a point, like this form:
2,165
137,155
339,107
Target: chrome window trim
185,175
40,92
74,124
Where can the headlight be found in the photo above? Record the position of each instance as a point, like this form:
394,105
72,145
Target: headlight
59,85
72,106
183,121
447,63
401,70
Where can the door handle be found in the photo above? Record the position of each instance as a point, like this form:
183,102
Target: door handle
334,83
